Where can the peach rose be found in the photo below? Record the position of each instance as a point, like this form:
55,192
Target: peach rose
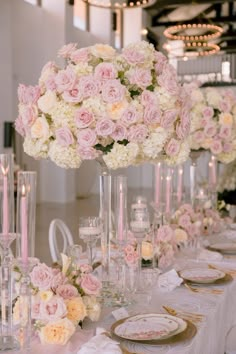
58,332
76,310
40,129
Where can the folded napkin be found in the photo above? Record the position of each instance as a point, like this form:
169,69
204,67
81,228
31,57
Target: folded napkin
206,255
100,344
169,281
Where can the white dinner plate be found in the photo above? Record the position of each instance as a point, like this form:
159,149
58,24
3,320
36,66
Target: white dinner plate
202,275
149,327
224,247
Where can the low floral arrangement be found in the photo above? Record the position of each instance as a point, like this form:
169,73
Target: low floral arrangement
227,181
213,121
61,299
165,246
211,220
186,224
126,107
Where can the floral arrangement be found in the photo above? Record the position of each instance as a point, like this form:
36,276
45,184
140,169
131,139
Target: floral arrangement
213,121
186,224
211,221
61,299
227,180
165,246
126,107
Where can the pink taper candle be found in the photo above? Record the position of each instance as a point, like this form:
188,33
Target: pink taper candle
157,183
180,184
168,193
5,227
24,229
213,178
120,216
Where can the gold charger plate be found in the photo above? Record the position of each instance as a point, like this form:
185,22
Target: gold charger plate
226,279
187,334
223,252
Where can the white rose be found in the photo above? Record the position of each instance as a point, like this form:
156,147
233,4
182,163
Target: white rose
47,102
207,205
103,51
40,129
93,308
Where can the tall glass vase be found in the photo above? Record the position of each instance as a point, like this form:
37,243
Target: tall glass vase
194,155
7,194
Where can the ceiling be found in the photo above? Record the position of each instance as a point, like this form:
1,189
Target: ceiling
165,13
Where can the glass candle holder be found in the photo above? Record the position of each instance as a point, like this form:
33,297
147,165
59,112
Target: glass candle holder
120,210
25,216
7,194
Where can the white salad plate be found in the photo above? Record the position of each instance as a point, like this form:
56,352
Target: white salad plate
202,275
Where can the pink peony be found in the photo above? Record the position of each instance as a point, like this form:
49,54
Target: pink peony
148,98
80,55
210,129
113,91
75,95
66,50
173,147
137,133
64,136
119,133
90,284
87,153
41,276
105,127
129,116
152,114
208,112
168,118
225,132
133,56
216,147
83,118
105,71
89,86
28,94
87,137
161,60
164,234
58,279
19,126
141,78
67,291
65,80
53,309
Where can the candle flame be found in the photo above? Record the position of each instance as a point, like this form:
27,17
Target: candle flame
23,191
4,170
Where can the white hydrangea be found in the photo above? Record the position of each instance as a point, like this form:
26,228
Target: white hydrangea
213,97
166,100
121,155
82,69
36,148
227,180
94,105
226,157
182,155
65,157
153,145
63,114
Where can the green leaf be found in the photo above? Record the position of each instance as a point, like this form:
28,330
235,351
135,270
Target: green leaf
104,149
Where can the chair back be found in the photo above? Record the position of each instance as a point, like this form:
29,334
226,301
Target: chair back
64,232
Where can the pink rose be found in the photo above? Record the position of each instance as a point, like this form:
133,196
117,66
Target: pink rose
208,112
227,147
29,114
198,136
65,80
119,133
129,249
35,307
173,147
129,116
186,208
105,127
86,268
113,91
87,137
141,78
64,136
148,98
83,118
67,50
131,258
41,276
89,86
168,80
90,284
28,94
164,234
225,106
133,56
181,131
152,115
75,95
216,147
168,118
160,60
67,291
210,129
166,259
204,121
19,126
137,133
80,56
184,221
225,132
105,71
53,309
87,153
50,83
58,279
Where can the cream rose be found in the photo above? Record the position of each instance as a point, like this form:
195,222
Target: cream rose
180,235
58,332
93,307
226,119
103,51
45,295
40,129
47,102
76,310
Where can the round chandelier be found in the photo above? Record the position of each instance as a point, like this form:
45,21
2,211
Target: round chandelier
211,32
120,4
195,49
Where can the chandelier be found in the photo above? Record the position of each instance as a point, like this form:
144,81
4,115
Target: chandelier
174,32
193,49
120,4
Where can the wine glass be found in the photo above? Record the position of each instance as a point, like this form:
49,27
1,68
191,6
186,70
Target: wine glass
139,225
90,229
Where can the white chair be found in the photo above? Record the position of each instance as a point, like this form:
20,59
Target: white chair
55,226
230,345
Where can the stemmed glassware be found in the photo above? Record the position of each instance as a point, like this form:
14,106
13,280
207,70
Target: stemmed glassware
149,280
74,252
90,229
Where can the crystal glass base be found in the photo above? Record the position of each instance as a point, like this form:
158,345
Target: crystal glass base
8,343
